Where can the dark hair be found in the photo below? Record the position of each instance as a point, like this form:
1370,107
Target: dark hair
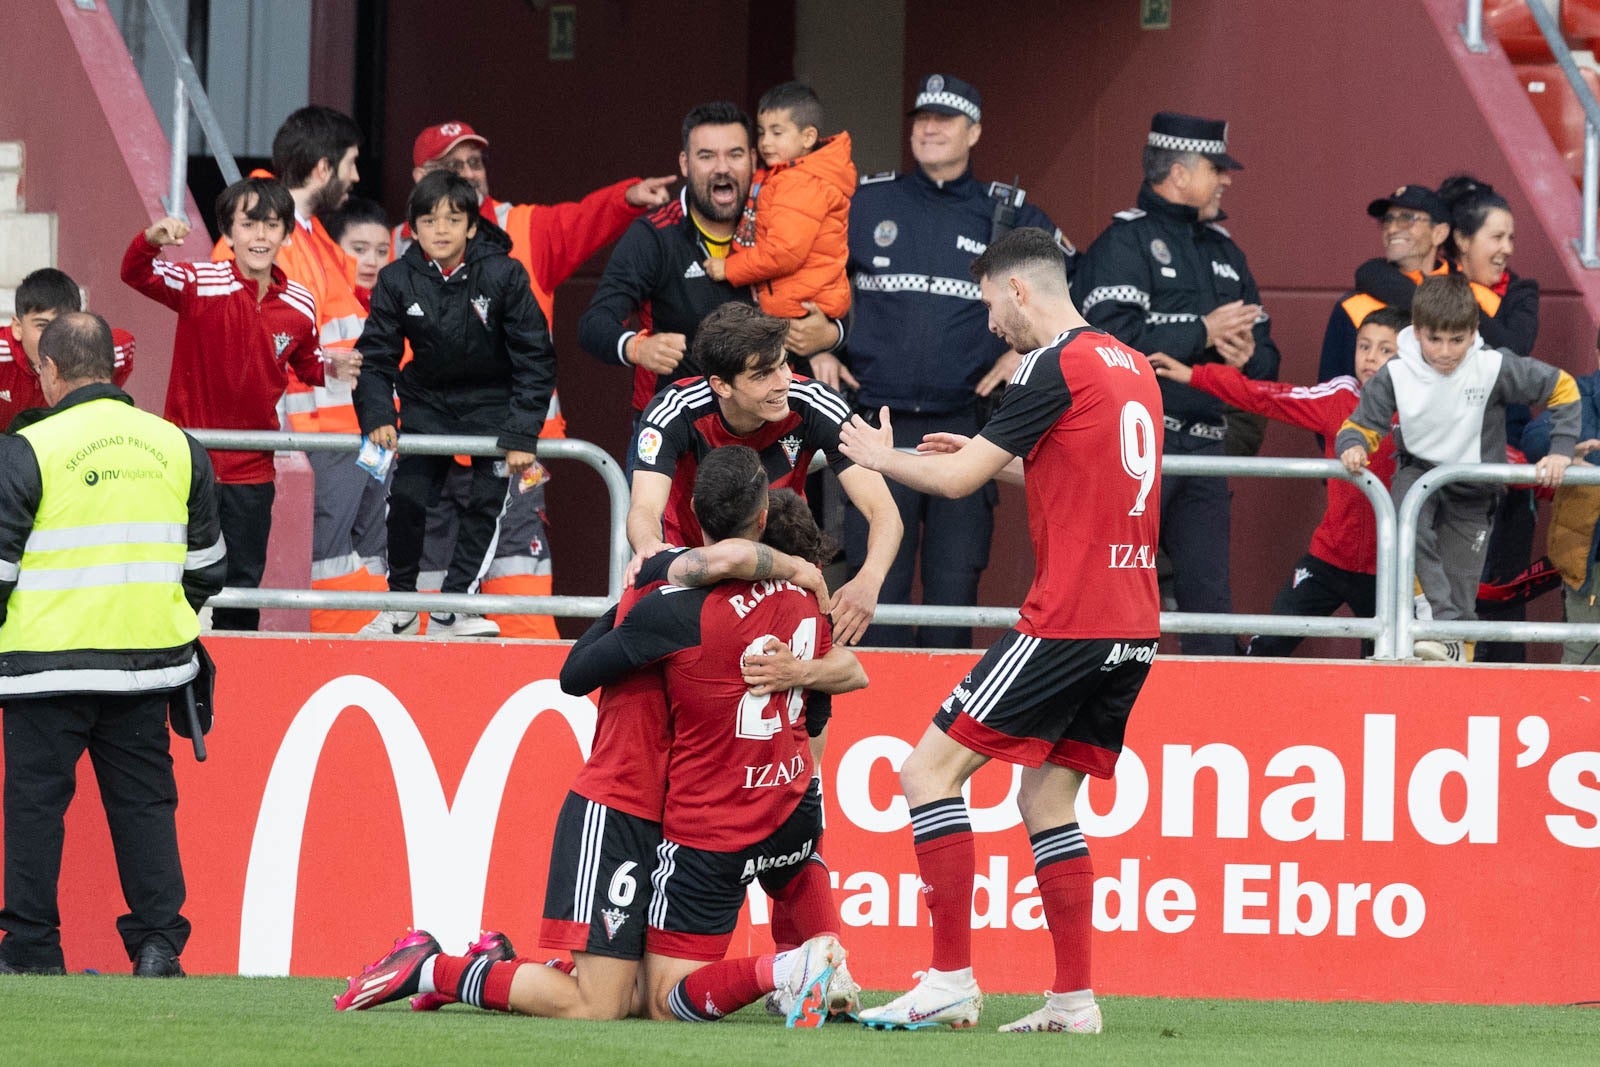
272,201
1470,202
732,334
306,138
798,99
717,113
1444,303
437,185
730,489
1157,162
793,529
1024,248
357,211
47,289
79,344
1395,318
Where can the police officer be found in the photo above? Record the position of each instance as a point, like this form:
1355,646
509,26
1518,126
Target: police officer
109,544
920,344
1166,277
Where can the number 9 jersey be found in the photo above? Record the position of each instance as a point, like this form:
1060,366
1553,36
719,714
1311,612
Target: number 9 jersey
1085,415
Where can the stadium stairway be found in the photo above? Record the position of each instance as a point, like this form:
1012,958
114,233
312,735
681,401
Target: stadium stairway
27,238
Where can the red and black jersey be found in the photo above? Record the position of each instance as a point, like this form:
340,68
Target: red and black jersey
1085,414
232,353
684,422
738,764
627,764
19,385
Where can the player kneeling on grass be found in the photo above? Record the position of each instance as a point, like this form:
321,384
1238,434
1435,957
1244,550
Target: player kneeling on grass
692,900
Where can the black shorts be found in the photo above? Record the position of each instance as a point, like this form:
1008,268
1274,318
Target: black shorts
698,893
1031,700
599,890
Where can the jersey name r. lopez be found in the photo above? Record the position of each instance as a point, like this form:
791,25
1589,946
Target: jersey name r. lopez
759,591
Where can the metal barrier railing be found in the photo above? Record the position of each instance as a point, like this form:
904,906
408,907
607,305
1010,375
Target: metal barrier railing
441,445
1400,596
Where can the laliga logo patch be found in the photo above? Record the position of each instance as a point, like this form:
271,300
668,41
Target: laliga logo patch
480,304
1160,252
280,341
791,448
614,920
450,129
884,234
649,444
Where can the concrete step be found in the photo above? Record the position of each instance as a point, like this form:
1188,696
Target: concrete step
10,176
27,242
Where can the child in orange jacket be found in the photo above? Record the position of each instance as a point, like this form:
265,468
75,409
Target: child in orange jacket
794,239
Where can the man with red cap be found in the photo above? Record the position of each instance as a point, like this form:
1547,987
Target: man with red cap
551,241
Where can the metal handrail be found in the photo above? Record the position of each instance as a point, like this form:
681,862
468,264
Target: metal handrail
1400,597
187,91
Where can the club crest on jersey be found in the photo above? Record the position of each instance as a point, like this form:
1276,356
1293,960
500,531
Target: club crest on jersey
884,233
614,919
280,341
649,444
791,449
480,304
1160,252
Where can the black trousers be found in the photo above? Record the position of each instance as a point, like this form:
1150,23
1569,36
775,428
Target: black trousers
246,515
126,737
1195,516
1316,587
418,482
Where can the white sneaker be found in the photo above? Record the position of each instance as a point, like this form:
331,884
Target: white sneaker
462,626
1053,1020
1440,651
808,981
392,623
779,1002
933,1001
843,992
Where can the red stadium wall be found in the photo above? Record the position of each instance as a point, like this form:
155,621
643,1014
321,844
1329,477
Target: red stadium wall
1311,830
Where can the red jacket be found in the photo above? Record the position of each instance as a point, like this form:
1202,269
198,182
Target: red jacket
1347,536
800,240
19,385
231,355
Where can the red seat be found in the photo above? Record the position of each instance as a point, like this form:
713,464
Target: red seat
1558,108
1511,24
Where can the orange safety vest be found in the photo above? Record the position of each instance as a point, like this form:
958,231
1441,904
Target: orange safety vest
1359,305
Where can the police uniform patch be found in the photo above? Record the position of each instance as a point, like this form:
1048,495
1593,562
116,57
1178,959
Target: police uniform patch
649,444
1160,251
934,84
884,234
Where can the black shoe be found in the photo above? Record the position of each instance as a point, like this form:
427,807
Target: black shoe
156,960
19,968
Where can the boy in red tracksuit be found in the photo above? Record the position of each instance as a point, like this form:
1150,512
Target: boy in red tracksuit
1341,563
793,242
241,325
43,295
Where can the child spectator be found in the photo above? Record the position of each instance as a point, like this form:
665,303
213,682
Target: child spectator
1450,392
481,363
241,325
1340,565
362,230
793,242
42,296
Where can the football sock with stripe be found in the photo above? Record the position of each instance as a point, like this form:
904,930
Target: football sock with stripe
475,980
1066,888
721,988
941,833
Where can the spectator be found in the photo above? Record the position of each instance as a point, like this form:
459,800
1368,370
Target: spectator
314,153
1574,545
1449,391
361,230
1482,235
550,241
481,363
43,295
792,245
90,662
1340,566
241,326
746,398
654,291
920,343
1414,226
1166,277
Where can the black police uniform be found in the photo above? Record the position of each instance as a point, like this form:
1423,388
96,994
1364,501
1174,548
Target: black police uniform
1148,280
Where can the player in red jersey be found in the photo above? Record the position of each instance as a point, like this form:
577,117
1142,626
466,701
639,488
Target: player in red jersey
1081,419
749,397
43,295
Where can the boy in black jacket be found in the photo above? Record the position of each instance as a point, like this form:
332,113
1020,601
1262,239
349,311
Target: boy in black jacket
482,363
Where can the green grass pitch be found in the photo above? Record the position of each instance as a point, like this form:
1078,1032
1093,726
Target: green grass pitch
83,1019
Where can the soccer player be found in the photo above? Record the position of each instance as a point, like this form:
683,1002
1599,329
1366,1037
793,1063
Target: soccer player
1082,415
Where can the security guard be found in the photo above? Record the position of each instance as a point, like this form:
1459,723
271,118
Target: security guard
109,543
1166,277
920,343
